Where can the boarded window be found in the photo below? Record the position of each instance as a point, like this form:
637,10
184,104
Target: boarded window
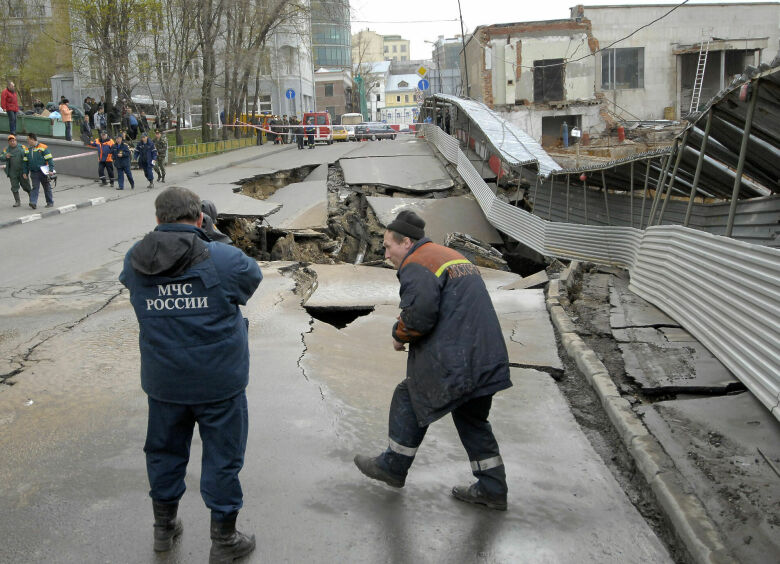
623,68
548,80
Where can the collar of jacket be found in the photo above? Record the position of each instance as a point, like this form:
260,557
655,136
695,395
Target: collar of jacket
183,227
416,246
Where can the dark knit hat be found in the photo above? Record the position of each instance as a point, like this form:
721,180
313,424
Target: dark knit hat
409,224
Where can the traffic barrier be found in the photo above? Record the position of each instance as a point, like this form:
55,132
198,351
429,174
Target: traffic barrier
181,153
724,292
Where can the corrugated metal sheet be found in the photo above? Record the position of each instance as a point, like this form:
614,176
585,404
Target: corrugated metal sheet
514,145
726,293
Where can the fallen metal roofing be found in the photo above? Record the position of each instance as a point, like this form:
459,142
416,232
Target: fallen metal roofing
515,146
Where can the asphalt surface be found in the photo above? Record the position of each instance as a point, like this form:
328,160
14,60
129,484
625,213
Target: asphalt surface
72,477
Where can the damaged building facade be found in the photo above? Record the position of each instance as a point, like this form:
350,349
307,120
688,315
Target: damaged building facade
539,75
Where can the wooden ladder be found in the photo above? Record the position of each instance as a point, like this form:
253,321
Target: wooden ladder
704,49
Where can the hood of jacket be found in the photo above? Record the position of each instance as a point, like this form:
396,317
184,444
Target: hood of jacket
170,250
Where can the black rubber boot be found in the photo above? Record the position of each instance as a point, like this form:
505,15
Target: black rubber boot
372,468
475,494
166,525
17,201
227,543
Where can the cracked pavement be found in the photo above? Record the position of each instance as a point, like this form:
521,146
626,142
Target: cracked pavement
72,476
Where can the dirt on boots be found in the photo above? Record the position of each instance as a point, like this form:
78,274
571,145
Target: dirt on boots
227,543
166,525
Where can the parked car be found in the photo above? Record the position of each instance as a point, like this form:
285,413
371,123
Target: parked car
340,133
374,131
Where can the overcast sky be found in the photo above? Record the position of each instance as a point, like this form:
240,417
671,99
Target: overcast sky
379,16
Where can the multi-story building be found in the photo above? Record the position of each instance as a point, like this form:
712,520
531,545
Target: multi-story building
375,77
402,99
330,34
445,72
396,48
334,92
367,47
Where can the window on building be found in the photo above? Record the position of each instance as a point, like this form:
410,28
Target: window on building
397,98
16,10
406,97
403,57
265,63
143,65
403,84
548,80
387,49
378,97
623,68
264,103
329,89
331,110
395,48
403,48
94,68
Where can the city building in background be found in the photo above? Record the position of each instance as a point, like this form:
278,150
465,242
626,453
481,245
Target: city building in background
402,99
445,69
396,48
334,92
367,47
331,34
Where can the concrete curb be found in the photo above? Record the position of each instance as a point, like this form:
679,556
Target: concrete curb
102,199
683,509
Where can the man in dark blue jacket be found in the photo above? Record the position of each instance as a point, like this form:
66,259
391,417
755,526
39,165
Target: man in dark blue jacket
186,292
146,153
457,361
121,154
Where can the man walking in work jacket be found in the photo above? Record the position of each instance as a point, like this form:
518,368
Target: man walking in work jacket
186,291
457,361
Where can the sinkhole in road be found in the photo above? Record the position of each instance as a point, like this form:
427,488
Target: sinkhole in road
263,186
339,317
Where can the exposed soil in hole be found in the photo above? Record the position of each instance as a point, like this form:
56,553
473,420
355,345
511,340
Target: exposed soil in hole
264,185
339,317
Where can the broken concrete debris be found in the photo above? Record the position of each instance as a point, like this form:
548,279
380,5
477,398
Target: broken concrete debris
477,252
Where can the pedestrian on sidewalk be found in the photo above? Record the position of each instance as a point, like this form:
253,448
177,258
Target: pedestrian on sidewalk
67,118
147,158
9,101
14,158
86,131
457,361
121,155
41,166
105,158
161,144
186,292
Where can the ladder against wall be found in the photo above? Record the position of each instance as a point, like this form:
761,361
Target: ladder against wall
701,65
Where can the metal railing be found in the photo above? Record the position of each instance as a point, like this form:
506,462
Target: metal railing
181,153
724,292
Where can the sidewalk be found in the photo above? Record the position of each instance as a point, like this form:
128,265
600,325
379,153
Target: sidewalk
73,193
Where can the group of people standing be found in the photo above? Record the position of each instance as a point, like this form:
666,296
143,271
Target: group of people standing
117,153
29,168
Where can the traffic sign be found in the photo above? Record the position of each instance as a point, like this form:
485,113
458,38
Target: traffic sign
290,93
422,71
423,84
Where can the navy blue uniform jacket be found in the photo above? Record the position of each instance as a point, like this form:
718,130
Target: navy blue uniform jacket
186,291
456,347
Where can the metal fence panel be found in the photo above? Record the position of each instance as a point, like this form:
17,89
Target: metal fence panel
725,292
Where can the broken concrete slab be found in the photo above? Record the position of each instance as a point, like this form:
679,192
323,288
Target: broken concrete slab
660,367
533,281
405,148
230,204
319,173
715,443
478,252
353,286
629,310
677,335
408,173
442,216
527,329
304,205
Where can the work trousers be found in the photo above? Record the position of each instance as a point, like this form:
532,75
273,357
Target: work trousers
18,182
474,430
159,168
106,168
37,178
299,140
121,172
12,121
148,170
223,429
